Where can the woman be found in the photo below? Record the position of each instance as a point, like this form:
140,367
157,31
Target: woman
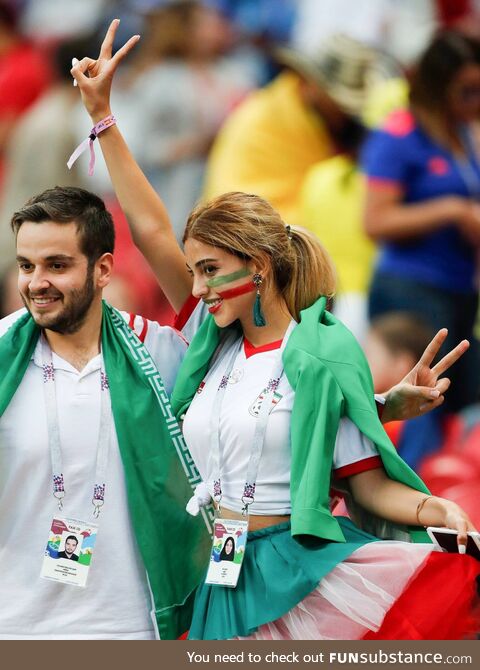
422,206
275,393
228,550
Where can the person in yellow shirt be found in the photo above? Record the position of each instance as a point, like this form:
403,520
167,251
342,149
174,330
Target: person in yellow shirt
332,200
331,206
310,112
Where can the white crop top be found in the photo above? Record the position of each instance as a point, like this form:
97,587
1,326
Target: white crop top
243,396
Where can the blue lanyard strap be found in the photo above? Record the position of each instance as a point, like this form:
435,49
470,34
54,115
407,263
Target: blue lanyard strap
469,168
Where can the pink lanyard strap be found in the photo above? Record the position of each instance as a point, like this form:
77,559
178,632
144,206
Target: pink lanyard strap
88,142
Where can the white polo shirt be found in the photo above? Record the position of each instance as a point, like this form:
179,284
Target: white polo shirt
116,602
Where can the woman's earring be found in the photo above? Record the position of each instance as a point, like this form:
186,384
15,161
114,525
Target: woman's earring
258,317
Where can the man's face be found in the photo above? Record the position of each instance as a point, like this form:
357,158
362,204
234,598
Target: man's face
70,546
54,279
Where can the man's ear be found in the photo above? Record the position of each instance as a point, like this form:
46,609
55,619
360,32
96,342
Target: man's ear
103,270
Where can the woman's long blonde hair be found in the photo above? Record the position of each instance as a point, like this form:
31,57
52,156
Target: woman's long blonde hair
247,226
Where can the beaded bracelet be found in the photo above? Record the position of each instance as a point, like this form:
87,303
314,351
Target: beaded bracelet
96,130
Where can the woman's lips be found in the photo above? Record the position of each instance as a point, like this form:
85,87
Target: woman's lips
214,308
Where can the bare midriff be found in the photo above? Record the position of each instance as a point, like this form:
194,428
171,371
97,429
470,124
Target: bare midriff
255,521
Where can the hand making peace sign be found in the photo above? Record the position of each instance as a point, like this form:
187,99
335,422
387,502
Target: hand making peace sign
422,390
95,88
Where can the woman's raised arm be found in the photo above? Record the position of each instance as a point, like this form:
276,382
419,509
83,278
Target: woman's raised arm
146,214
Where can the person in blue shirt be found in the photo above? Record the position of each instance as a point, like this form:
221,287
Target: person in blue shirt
423,201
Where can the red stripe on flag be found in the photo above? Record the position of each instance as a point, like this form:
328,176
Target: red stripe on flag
440,602
185,313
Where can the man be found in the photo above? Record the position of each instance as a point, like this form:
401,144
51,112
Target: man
71,544
65,242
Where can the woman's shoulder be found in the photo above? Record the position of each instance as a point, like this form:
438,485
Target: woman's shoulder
323,353
322,337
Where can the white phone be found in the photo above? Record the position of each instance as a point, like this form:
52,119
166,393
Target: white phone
446,538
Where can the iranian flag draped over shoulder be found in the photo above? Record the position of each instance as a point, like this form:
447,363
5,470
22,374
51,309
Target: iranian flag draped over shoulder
159,471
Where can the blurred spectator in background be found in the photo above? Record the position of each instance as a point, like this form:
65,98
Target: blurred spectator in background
270,21
54,20
40,143
307,114
394,344
24,74
403,28
185,85
422,202
331,206
260,25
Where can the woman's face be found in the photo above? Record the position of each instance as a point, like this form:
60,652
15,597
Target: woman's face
228,547
206,263
463,94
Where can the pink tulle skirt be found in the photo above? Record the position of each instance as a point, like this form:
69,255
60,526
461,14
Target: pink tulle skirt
385,590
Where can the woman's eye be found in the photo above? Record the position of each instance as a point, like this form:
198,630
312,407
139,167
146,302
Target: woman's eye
210,269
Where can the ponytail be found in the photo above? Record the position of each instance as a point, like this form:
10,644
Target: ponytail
312,272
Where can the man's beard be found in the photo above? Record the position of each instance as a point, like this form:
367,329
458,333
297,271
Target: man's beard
72,317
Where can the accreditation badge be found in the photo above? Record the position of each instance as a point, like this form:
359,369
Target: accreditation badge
228,551
69,551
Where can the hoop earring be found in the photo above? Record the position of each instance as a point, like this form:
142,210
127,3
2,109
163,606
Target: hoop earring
258,317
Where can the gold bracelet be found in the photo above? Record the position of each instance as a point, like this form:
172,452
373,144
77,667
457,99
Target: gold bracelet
420,507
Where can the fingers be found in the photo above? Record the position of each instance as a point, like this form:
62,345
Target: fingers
428,406
123,51
443,385
78,70
436,395
451,357
462,538
107,44
433,348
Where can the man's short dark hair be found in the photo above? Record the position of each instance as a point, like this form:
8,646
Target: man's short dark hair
67,204
71,537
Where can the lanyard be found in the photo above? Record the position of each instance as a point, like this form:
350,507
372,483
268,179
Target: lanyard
260,426
468,173
50,395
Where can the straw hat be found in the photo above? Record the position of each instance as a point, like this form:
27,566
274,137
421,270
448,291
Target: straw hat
345,68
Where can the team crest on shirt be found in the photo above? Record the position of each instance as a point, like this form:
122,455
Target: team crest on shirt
254,408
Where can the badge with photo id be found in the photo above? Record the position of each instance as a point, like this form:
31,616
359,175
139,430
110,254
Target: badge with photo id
69,551
228,551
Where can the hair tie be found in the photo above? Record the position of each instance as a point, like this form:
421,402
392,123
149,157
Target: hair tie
288,228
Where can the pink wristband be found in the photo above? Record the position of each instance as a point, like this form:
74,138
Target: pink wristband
96,130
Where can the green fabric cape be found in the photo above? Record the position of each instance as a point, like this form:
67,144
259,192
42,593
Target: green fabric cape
159,471
327,370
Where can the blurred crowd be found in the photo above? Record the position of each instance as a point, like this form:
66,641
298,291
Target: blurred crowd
355,118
